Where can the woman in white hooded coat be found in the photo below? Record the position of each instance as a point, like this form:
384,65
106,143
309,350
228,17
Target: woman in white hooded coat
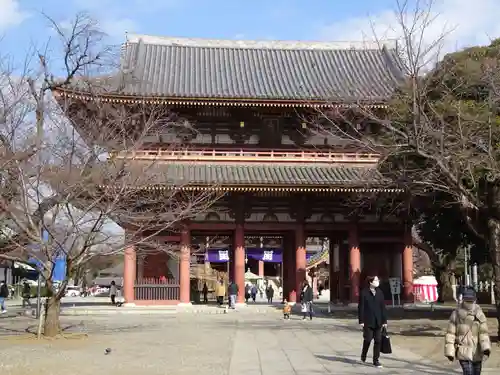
467,339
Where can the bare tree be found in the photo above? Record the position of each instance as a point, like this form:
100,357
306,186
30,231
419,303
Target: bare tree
64,198
438,136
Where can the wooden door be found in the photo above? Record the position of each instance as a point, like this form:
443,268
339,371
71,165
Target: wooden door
377,261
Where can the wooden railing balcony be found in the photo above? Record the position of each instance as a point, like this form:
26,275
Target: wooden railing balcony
250,156
154,289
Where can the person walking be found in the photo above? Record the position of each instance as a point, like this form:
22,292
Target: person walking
248,288
253,293
205,293
233,292
26,294
270,293
372,317
467,339
306,300
4,294
220,292
112,292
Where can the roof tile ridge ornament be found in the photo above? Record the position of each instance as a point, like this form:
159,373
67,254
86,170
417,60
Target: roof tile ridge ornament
261,44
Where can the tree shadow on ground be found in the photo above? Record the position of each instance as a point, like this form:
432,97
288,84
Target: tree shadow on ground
5,331
87,327
421,330
418,367
345,312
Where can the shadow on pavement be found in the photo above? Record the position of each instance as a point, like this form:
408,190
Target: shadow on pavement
397,313
421,368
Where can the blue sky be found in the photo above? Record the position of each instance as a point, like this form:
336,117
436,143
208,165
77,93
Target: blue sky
22,23
257,19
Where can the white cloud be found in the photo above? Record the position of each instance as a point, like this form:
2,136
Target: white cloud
465,23
11,14
117,27
116,21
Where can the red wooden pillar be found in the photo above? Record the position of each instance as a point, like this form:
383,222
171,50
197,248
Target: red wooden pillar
407,259
129,274
354,263
333,283
342,273
239,262
314,277
184,267
290,263
285,265
261,268
300,259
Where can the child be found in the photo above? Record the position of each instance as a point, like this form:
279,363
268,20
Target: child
287,309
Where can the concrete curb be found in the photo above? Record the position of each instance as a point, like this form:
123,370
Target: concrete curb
162,311
118,311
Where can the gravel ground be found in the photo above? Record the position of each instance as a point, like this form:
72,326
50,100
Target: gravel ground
138,346
237,343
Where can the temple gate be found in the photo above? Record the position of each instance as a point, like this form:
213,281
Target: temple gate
255,108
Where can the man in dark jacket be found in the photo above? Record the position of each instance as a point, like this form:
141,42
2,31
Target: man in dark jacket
372,317
232,292
26,294
4,294
306,300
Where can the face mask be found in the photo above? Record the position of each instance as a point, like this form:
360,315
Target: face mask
375,283
469,305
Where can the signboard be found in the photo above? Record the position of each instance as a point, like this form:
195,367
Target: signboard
267,255
395,284
217,256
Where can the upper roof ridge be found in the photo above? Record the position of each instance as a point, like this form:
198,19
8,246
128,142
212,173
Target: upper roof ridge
260,44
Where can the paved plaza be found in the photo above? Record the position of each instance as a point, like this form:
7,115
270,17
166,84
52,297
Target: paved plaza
242,343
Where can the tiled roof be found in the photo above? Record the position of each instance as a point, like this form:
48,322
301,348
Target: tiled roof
204,69
181,174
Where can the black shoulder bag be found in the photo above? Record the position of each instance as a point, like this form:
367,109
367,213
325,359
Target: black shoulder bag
385,344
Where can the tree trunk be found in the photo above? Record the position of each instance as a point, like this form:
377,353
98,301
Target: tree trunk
494,247
443,280
52,325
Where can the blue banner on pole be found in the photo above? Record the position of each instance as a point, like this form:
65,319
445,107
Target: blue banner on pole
59,270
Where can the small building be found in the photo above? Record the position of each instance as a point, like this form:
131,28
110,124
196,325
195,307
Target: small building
254,109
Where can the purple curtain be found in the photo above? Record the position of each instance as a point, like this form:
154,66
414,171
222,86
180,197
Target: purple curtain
266,255
217,255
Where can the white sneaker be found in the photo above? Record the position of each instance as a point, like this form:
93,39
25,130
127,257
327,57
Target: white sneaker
4,311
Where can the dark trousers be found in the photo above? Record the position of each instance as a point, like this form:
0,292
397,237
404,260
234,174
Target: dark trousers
113,299
370,334
26,301
471,368
220,300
